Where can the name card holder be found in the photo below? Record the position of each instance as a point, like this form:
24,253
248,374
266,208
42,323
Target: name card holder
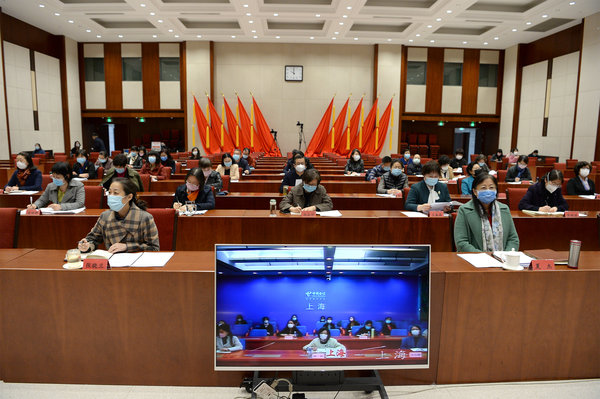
288,336
96,264
571,214
399,194
542,264
308,213
33,212
436,214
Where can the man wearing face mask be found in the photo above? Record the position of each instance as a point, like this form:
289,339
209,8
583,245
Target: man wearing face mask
581,184
324,341
308,196
388,326
355,164
415,168
427,191
120,169
415,339
290,329
246,155
294,176
104,161
366,329
64,193
545,195
520,171
329,324
241,161
267,326
212,178
459,159
379,170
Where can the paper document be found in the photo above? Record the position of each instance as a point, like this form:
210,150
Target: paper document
80,178
386,195
330,213
50,211
538,213
481,260
411,214
124,259
513,182
153,259
21,192
588,196
524,259
439,206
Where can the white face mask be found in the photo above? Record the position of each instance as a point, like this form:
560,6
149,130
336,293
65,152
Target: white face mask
584,172
323,337
300,168
459,157
291,325
417,161
551,188
21,165
445,168
356,157
516,153
222,335
414,332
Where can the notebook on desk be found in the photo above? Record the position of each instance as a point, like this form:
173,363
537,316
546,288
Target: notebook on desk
559,257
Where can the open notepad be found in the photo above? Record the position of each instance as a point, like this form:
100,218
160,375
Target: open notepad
134,259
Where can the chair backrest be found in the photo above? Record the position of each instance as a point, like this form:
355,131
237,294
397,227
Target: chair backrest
166,172
335,332
473,156
100,172
193,163
405,192
165,223
60,158
302,329
7,227
93,156
93,196
564,185
145,181
501,175
560,166
36,161
225,182
459,183
571,163
239,329
513,196
258,332
355,329
177,167
398,332
116,152
46,179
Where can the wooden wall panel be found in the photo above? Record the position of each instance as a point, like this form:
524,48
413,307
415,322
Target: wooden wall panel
470,81
500,82
151,76
81,75
113,76
404,63
22,34
517,107
435,80
183,89
64,93
561,43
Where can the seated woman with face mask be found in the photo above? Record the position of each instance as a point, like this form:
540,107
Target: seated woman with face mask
415,168
355,164
324,341
393,181
126,227
194,190
545,195
388,326
308,196
290,329
581,184
226,341
64,193
351,323
367,329
267,326
428,190
415,339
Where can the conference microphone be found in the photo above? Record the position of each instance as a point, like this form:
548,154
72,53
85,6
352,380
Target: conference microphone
375,347
264,346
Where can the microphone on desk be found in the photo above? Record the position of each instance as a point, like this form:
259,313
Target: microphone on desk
264,346
375,347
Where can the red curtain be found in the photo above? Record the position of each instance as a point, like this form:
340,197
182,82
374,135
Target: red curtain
368,125
215,120
213,143
342,148
264,132
337,129
374,146
320,135
245,127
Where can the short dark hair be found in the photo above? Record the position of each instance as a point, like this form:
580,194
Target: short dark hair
431,167
481,157
94,134
120,160
64,169
523,158
581,164
103,153
386,159
444,160
499,150
83,153
459,151
156,154
298,156
205,163
470,167
553,175
130,188
246,149
134,148
369,322
197,173
310,175
395,161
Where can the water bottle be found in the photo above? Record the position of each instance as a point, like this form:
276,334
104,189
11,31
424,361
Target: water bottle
272,208
574,250
309,352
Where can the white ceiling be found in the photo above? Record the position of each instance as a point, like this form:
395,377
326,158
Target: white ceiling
445,23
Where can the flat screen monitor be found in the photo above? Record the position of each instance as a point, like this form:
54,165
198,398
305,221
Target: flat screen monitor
321,307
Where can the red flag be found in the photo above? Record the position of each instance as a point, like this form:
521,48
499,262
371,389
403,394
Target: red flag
374,146
342,148
213,145
367,129
337,129
216,123
235,131
320,135
264,132
245,124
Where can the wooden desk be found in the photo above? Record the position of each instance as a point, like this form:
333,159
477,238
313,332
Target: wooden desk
325,178
270,186
280,343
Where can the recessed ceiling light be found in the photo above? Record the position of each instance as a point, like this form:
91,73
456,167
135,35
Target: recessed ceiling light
485,43
121,36
527,23
248,14
277,37
98,36
356,38
389,40
337,33
153,13
344,16
572,3
160,21
341,23
256,37
514,29
312,38
429,26
170,30
155,36
245,5
448,11
496,38
317,15
198,36
233,36
349,8
250,22
545,16
432,41
418,35
71,21
57,14
88,30
253,31
333,38
177,36
275,14
142,5
42,6
464,42
410,40
438,19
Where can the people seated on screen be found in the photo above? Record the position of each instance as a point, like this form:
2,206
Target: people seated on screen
388,326
166,160
415,168
379,170
355,164
212,178
406,159
329,324
226,341
295,320
308,196
520,171
246,155
126,227
481,160
322,319
103,161
513,156
120,169
534,154
415,339
351,323
581,184
290,162
459,159
27,177
366,329
64,193
135,160
393,181
498,156
194,191
76,147
195,153
446,172
467,182
290,329
83,168
239,319
545,195
294,176
324,341
37,150
153,167
242,164
267,326
427,191
228,167
484,224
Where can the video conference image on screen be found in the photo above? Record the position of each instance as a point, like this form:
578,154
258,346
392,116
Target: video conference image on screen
321,307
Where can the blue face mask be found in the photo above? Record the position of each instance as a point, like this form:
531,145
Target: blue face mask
486,196
386,168
115,202
81,160
152,159
227,164
58,182
120,170
236,157
102,160
406,156
308,188
134,154
388,321
481,164
164,158
245,156
431,181
368,327
397,172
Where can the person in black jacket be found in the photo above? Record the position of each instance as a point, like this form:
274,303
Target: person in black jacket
459,159
351,323
290,329
267,326
76,147
580,184
545,195
355,164
415,339
290,162
194,190
195,153
97,143
167,160
520,171
26,177
242,163
294,176
135,159
83,168
366,329
388,326
329,323
415,168
294,318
